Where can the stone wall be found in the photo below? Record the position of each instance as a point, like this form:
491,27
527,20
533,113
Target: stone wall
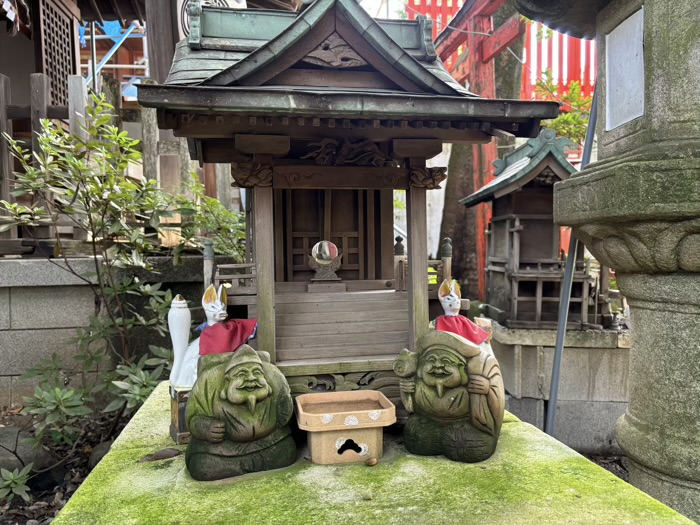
42,304
593,388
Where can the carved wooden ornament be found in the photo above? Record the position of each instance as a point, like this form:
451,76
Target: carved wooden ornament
334,52
428,178
254,174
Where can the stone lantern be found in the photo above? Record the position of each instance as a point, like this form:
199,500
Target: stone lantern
638,211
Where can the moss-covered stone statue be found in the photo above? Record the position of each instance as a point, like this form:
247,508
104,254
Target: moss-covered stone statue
453,390
238,414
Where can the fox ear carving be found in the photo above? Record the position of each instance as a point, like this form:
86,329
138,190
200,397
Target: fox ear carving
223,297
449,287
444,290
455,288
210,295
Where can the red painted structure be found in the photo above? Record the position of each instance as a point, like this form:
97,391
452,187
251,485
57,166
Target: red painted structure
566,59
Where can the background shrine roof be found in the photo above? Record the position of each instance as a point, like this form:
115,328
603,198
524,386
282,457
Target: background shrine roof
524,164
573,17
227,46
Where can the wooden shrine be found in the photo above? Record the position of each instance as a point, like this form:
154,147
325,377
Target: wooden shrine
525,263
322,114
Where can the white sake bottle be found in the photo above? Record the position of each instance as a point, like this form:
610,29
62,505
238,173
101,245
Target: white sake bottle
179,320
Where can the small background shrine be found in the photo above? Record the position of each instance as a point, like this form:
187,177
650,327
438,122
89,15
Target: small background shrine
525,263
323,114
525,269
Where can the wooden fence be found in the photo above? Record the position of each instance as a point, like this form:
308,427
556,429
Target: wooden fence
23,122
28,240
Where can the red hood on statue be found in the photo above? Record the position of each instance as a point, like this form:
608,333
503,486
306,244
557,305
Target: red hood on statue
226,337
460,325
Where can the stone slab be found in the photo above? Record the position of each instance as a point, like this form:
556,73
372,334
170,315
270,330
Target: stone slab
20,388
4,308
65,307
574,338
587,374
527,410
40,272
589,427
23,349
531,478
5,391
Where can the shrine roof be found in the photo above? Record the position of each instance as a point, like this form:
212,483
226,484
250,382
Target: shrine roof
573,17
227,46
523,164
331,60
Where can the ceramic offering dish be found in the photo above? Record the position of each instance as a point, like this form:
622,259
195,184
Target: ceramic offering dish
345,427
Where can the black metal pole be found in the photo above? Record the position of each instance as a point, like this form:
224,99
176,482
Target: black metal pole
566,285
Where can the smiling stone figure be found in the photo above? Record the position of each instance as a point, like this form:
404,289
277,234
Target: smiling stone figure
454,392
238,415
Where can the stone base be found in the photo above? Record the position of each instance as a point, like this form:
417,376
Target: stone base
593,389
586,426
527,409
682,495
531,479
326,287
589,426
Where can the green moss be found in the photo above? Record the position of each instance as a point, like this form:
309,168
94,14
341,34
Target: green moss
150,428
530,479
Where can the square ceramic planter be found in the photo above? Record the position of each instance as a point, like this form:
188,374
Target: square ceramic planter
345,427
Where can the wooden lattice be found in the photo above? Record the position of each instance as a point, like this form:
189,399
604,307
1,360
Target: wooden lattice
59,48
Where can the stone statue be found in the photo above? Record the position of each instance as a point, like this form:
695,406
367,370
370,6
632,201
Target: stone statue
238,414
216,337
453,390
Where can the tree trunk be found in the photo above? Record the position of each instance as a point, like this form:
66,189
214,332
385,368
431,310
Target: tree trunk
458,221
470,166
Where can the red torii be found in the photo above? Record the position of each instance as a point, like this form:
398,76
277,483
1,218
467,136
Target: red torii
473,24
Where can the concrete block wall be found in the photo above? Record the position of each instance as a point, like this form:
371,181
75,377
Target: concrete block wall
593,387
42,304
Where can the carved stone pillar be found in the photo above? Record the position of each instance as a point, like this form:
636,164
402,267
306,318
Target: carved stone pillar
637,211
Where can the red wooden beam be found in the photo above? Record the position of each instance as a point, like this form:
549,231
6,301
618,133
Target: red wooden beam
504,36
461,71
452,37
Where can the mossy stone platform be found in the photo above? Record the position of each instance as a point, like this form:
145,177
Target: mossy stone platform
531,479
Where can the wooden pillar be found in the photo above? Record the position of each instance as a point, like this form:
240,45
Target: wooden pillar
39,96
264,254
149,142
77,101
161,40
77,113
210,180
39,93
5,156
417,261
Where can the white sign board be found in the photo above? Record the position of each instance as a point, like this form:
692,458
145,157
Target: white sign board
624,72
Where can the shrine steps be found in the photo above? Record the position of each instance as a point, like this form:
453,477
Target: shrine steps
326,333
